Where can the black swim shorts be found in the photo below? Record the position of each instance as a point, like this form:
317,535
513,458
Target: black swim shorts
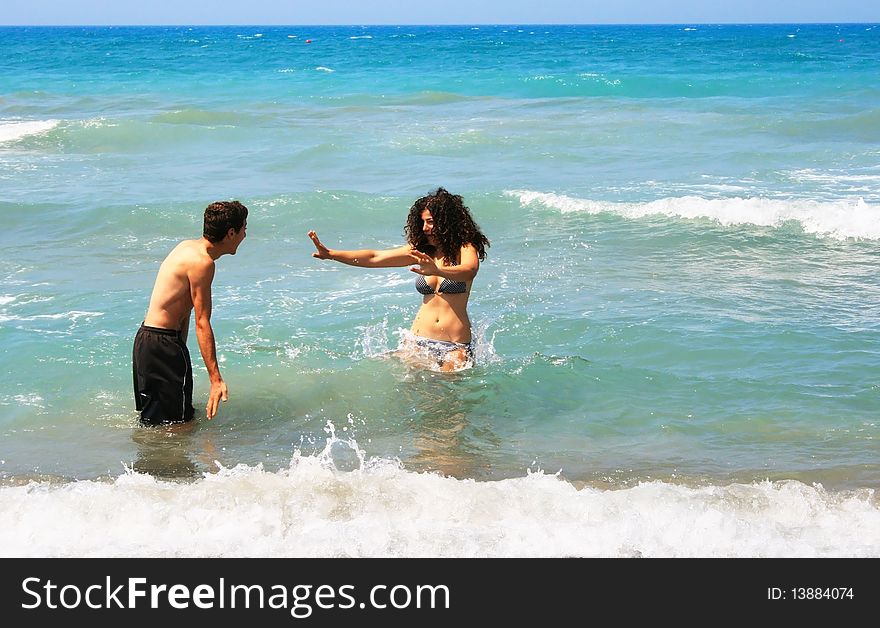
162,373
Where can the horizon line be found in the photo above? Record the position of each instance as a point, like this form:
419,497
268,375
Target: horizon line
366,25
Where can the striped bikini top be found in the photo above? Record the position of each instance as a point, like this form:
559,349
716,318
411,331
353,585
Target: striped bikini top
447,286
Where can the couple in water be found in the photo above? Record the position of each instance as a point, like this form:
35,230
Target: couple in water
444,248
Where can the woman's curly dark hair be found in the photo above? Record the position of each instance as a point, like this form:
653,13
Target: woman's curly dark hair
453,226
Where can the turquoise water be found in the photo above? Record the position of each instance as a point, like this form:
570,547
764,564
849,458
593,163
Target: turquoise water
678,323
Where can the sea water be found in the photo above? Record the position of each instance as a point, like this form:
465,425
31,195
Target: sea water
677,325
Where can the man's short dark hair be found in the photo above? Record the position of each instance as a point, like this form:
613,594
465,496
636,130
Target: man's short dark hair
222,216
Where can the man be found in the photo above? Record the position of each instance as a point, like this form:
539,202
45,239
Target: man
161,364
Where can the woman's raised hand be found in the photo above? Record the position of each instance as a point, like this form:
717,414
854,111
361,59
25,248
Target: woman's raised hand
323,252
426,263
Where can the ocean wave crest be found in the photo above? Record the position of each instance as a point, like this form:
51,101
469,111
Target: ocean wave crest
12,130
839,220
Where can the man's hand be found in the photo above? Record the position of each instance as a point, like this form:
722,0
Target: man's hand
218,392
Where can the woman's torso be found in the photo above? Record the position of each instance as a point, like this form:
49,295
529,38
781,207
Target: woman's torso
443,315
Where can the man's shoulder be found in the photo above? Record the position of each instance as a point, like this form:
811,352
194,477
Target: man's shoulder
193,252
190,257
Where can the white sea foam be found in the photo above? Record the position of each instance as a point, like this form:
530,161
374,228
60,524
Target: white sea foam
73,316
809,174
314,509
11,130
26,399
838,220
97,123
599,78
321,68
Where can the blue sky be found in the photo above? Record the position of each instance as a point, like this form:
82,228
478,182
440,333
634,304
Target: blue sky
434,11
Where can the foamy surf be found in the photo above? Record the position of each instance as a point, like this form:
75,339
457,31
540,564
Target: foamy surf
313,509
11,131
838,220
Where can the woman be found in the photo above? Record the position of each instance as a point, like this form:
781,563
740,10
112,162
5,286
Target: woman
447,246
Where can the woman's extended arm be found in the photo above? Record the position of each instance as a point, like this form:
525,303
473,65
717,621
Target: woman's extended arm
366,258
